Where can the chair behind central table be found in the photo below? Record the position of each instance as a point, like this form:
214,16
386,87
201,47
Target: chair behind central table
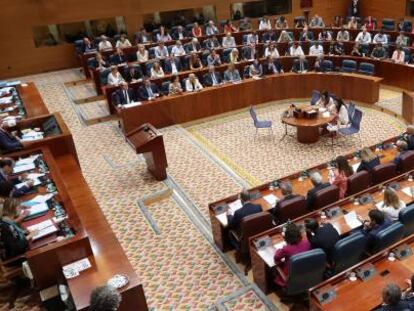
260,124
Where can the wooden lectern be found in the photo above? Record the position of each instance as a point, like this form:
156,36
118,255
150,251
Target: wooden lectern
147,140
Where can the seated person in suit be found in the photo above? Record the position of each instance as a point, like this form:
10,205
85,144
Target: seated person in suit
10,142
252,38
213,59
125,95
148,91
301,65
318,66
340,175
193,46
325,35
286,189
281,23
231,74
269,36
192,84
356,50
172,65
246,210
337,48
322,236
14,238
369,160
179,34
211,43
133,74
6,176
99,63
118,57
392,299
318,184
379,52
402,148
212,78
377,222
295,244
211,29
245,24
142,36
409,137
248,52
408,294
7,189
114,77
88,47
175,86
256,69
195,62
272,66
392,204
305,35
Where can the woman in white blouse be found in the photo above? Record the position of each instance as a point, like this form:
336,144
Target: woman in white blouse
398,56
142,54
392,204
156,71
272,51
343,116
265,24
123,42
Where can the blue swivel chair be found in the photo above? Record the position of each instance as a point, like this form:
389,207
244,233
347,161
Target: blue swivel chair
388,24
366,68
388,237
327,65
406,217
348,252
316,95
264,124
351,110
349,65
355,125
305,271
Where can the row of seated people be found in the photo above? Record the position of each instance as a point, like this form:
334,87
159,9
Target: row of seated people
211,29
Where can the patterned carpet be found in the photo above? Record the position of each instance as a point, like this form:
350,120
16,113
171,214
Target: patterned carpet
164,226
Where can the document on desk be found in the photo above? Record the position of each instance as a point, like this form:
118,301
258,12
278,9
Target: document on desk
32,135
222,218
355,166
23,168
6,100
38,209
234,206
409,191
271,199
26,161
36,182
45,228
267,255
133,104
38,200
352,220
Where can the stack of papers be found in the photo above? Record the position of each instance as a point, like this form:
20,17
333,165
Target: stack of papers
271,199
45,228
23,168
409,191
352,220
234,206
32,135
72,270
268,253
38,200
6,100
5,90
34,177
38,209
133,104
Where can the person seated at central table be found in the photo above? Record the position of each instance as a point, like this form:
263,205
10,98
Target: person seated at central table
318,184
326,101
295,244
369,160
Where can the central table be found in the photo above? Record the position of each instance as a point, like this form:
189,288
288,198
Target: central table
308,129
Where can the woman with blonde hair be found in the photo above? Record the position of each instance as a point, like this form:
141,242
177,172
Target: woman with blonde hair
369,160
392,204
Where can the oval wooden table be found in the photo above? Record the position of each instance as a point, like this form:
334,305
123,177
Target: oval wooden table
307,130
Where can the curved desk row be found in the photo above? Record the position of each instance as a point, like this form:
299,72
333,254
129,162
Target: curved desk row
212,101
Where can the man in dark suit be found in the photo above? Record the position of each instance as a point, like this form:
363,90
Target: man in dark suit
402,147
393,299
142,36
409,137
118,57
211,43
272,66
324,236
179,33
193,46
149,90
246,210
300,65
125,95
133,74
316,179
172,65
9,142
286,189
269,36
212,78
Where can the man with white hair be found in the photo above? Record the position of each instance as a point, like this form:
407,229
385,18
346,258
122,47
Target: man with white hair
105,44
409,137
318,184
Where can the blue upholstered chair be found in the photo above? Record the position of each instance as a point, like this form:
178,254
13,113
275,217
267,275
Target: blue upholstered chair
355,125
388,24
406,217
316,95
366,68
388,237
349,65
327,65
348,252
305,271
263,124
165,87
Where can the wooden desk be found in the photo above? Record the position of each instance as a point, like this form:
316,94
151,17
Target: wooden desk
192,106
261,270
359,295
109,258
59,144
32,101
408,107
299,186
308,130
46,255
